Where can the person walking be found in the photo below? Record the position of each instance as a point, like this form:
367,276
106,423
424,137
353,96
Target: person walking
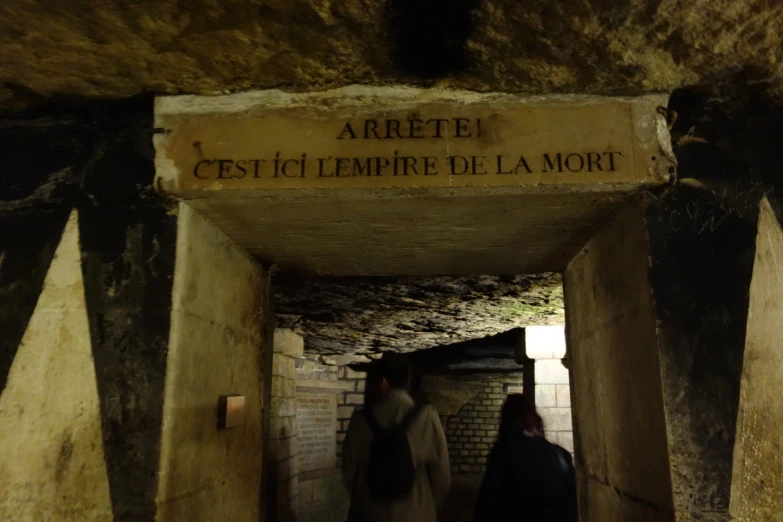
528,479
395,457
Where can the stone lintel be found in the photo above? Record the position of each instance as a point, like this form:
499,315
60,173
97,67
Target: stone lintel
361,137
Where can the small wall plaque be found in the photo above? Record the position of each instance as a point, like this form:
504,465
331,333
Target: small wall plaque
231,411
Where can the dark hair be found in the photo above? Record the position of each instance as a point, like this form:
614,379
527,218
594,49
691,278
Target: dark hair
519,415
372,385
394,369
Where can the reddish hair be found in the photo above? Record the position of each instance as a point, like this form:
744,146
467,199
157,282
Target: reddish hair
519,416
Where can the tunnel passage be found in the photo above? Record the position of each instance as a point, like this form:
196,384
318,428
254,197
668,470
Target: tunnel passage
466,382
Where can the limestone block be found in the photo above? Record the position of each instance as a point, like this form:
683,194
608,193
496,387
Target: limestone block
551,371
282,387
308,365
289,388
563,396
556,419
757,477
546,395
327,488
288,343
282,427
52,463
348,373
215,347
354,398
606,503
285,448
287,468
566,440
215,501
283,407
618,401
288,491
283,366
233,296
345,412
301,374
277,385
305,492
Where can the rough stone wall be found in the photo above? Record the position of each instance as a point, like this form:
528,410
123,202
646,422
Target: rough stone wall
284,448
700,279
215,348
620,429
469,407
202,47
757,484
343,315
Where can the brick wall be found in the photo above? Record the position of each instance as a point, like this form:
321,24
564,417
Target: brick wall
283,448
347,403
470,407
553,400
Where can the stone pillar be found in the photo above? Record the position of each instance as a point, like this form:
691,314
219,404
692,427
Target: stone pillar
619,429
656,305
52,461
215,348
757,479
283,448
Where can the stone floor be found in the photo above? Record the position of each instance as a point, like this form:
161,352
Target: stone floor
462,498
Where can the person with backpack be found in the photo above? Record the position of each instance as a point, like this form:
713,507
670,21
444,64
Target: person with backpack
528,479
395,458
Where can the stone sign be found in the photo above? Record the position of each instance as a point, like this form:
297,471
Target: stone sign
316,429
396,137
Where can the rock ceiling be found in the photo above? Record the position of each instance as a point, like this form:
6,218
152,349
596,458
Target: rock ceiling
363,316
118,49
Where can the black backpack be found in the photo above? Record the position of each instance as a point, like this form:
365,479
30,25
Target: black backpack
390,469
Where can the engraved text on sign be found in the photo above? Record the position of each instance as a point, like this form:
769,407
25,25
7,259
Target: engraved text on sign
316,430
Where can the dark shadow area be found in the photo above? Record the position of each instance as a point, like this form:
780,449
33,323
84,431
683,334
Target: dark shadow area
428,37
700,277
461,502
726,137
128,245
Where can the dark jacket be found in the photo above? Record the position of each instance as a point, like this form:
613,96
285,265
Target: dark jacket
528,479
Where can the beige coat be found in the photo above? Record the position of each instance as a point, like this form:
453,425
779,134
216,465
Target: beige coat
430,457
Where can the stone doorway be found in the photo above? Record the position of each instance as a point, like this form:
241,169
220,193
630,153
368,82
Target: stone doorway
390,182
